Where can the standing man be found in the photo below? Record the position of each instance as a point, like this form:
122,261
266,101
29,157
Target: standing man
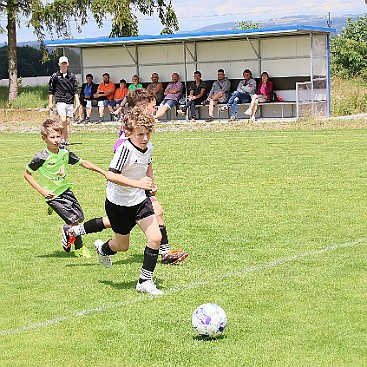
218,93
156,87
64,87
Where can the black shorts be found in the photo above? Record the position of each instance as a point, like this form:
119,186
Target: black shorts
123,218
67,207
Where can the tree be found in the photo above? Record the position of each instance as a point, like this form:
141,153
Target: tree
247,25
54,17
349,49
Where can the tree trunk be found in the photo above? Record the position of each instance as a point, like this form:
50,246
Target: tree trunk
12,53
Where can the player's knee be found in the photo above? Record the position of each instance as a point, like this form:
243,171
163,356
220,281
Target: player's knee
154,240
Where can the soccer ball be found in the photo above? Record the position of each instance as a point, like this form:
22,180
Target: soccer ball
209,320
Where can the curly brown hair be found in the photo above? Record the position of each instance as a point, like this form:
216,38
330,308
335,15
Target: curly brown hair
138,116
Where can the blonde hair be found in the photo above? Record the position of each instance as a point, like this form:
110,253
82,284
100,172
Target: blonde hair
138,116
51,124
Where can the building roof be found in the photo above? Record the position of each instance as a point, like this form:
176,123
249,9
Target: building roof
186,37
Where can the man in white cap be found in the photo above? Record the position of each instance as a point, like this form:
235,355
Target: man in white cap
63,87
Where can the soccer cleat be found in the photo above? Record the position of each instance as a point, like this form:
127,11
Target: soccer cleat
101,119
223,108
82,252
148,287
174,257
252,119
87,120
67,238
105,260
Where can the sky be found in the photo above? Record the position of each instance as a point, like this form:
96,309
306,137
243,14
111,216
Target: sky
193,14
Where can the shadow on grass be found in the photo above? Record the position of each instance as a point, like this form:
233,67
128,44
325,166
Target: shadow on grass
58,254
129,259
119,285
126,284
207,339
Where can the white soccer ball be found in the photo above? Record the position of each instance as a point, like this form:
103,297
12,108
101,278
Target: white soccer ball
209,320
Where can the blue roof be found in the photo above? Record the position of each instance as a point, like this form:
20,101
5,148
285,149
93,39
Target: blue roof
167,38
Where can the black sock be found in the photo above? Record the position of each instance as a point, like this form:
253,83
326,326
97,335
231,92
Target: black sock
106,249
78,242
149,263
94,225
163,230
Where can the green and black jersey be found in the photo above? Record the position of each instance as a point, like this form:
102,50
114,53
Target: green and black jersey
53,169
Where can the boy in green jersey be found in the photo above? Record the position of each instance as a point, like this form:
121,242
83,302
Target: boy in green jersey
51,163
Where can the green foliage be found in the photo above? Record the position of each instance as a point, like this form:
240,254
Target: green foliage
349,49
54,17
248,25
239,212
29,62
348,96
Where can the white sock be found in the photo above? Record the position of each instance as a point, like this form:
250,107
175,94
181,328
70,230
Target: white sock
78,230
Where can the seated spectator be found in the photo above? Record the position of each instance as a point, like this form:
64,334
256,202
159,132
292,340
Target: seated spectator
156,87
197,94
119,99
135,83
245,90
104,95
263,95
218,93
86,98
172,94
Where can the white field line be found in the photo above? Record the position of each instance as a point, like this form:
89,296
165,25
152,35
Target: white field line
217,278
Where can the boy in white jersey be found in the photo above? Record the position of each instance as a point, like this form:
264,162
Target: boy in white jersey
139,97
130,175
51,163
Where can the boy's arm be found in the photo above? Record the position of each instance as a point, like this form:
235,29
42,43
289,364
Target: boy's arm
150,173
91,166
145,183
47,194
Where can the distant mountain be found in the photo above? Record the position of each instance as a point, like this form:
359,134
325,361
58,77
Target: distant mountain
335,22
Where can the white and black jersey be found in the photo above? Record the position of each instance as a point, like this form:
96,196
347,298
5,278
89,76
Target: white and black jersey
131,162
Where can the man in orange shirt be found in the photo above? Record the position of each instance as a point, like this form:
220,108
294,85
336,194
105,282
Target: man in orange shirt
104,95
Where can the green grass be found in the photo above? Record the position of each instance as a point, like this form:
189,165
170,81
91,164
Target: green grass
28,97
256,210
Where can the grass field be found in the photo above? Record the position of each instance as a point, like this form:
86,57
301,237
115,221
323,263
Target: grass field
275,224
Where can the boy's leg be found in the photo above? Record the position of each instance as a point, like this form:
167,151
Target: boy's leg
105,250
91,226
168,257
150,227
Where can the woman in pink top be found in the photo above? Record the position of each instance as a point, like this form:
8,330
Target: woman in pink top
263,95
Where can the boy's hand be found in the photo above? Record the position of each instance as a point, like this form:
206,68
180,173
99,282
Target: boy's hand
146,183
47,194
154,189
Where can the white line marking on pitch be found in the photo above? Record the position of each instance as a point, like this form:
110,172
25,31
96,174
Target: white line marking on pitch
240,272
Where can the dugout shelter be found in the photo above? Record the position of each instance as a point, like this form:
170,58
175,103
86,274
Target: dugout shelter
297,59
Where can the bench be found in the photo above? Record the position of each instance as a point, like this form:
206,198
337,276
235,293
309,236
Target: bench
283,86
